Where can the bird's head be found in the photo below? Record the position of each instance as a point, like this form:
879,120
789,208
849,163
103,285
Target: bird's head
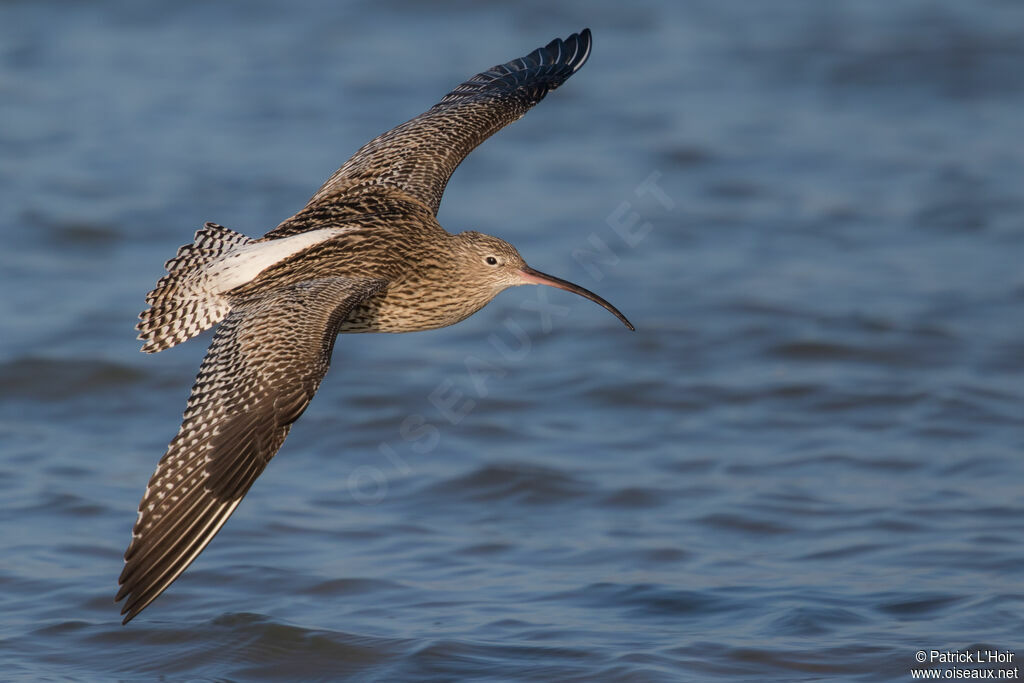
494,265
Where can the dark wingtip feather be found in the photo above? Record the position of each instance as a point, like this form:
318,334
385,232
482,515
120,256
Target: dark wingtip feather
585,41
572,51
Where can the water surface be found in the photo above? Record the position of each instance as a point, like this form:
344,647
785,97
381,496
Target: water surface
804,465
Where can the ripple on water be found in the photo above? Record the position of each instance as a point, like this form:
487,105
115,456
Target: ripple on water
351,586
49,379
636,497
814,621
252,646
522,483
651,599
724,521
922,606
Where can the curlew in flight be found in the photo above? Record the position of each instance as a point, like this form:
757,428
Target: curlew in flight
366,254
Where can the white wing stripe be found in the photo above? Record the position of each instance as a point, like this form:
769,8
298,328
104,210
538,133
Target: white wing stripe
243,264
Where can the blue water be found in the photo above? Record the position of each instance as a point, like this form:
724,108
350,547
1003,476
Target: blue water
804,465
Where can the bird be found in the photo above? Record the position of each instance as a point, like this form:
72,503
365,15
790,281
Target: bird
365,254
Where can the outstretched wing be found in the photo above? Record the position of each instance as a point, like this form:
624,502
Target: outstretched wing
420,155
262,369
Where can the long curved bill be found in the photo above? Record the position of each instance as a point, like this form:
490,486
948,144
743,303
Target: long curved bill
535,277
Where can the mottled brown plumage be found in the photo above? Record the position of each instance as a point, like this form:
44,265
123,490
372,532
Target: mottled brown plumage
366,254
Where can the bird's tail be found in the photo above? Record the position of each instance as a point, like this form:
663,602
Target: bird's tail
184,303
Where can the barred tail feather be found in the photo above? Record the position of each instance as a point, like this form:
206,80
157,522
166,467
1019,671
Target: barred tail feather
184,303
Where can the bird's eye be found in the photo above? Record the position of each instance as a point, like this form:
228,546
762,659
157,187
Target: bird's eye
491,261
